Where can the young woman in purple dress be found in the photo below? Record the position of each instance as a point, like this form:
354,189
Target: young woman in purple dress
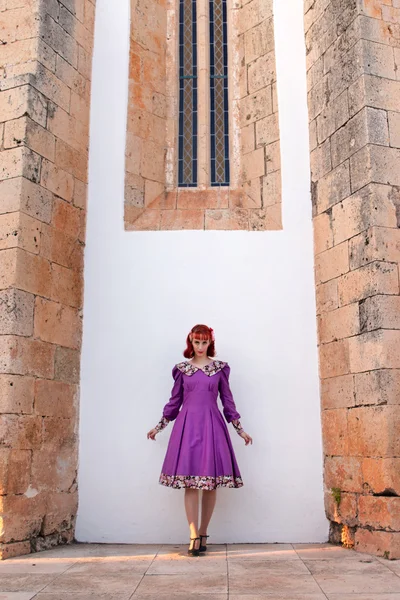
200,455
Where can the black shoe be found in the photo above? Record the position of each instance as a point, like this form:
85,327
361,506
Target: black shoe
203,547
192,551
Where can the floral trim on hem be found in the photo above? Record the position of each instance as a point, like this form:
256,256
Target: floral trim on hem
163,422
200,483
211,369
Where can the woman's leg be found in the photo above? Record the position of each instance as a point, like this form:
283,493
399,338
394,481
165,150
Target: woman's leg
192,510
207,508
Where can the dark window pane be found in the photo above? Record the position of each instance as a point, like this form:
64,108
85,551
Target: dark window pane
219,122
187,134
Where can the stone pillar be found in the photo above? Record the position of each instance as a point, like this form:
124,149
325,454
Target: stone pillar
45,60
353,67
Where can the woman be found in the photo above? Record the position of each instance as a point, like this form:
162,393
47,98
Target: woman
200,455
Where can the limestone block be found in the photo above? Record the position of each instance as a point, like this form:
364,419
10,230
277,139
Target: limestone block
394,128
268,218
20,162
333,117
376,92
374,204
334,360
24,356
376,243
66,286
338,392
332,263
57,324
375,163
261,72
380,312
25,132
55,399
23,516
67,365
334,431
19,230
272,189
227,219
321,162
375,350
256,106
380,543
56,180
267,130
16,394
66,217
373,431
338,324
253,164
15,466
378,387
259,40
375,278
343,472
323,233
368,126
16,312
21,432
71,161
381,474
327,296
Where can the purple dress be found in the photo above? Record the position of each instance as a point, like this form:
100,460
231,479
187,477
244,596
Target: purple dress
200,453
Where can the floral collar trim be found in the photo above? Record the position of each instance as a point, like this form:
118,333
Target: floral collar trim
211,369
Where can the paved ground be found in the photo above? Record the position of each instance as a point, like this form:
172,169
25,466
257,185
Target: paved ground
237,572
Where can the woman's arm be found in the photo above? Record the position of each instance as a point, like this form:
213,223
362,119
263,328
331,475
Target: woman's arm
171,409
229,407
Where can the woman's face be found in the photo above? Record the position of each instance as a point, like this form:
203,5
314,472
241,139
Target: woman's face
200,347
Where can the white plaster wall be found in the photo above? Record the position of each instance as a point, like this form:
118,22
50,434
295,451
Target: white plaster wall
145,290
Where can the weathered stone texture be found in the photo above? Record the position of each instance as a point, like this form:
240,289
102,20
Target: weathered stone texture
44,112
354,111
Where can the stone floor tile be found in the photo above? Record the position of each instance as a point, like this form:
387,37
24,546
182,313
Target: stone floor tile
322,551
111,582
278,596
17,595
249,568
364,596
72,551
111,564
180,550
188,564
185,583
393,565
139,550
81,596
35,567
261,551
24,582
268,584
179,596
337,576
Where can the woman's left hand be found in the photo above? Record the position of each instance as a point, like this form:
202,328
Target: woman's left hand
247,438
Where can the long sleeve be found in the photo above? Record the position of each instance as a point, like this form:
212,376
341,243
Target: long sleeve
228,403
171,409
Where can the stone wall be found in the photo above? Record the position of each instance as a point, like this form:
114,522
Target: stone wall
353,62
152,199
45,60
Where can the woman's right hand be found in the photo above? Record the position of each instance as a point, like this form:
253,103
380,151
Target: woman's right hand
152,434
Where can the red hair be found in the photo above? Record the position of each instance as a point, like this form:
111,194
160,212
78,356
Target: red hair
201,332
